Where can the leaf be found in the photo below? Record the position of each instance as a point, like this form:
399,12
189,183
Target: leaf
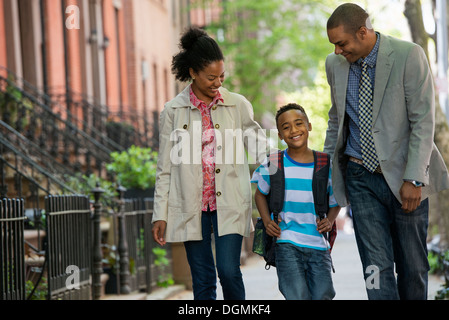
135,167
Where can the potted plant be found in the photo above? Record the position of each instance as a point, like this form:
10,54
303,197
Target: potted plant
135,169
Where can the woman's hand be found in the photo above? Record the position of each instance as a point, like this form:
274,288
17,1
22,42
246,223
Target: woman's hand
159,232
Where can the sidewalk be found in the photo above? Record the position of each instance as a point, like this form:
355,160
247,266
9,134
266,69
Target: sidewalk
261,284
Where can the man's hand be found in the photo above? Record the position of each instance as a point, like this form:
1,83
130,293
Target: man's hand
410,196
159,232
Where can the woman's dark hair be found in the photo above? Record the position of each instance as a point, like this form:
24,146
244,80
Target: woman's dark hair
198,50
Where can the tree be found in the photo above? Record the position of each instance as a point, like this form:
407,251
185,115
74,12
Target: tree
316,100
439,217
272,45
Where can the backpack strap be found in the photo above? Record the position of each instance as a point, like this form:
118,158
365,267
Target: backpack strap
277,183
275,200
319,183
319,189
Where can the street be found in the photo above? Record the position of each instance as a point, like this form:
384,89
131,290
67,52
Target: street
261,284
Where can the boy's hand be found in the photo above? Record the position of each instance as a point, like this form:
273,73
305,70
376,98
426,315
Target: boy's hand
323,225
273,230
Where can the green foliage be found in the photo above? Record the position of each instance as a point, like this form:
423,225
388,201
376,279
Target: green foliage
272,45
161,262
40,293
135,167
436,263
42,221
15,108
83,184
160,257
443,293
111,259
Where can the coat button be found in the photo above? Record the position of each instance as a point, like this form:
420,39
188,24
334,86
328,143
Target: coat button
218,147
185,127
218,193
217,171
214,108
217,126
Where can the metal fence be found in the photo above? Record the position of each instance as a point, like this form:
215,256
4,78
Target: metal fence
12,256
69,247
135,220
137,270
73,256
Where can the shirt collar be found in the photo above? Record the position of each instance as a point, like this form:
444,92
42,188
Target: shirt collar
197,102
371,59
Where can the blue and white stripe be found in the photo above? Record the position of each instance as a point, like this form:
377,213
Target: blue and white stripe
298,215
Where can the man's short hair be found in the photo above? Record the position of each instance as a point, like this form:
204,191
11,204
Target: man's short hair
351,16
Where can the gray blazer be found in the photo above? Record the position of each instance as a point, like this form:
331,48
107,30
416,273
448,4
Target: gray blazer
403,119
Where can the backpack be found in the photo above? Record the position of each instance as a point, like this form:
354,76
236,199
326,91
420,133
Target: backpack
265,245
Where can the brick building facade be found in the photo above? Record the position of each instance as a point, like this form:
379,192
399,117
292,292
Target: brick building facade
114,53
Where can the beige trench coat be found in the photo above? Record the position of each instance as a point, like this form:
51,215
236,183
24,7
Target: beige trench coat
179,180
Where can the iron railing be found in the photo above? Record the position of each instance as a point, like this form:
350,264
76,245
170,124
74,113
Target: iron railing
124,127
73,258
137,217
53,128
28,161
12,255
69,247
135,270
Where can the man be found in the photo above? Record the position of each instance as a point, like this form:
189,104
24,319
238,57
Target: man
385,164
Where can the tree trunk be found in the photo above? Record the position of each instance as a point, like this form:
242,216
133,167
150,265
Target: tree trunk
413,13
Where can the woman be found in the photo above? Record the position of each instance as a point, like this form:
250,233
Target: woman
203,181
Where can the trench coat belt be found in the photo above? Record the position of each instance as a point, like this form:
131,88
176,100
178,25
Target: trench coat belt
360,162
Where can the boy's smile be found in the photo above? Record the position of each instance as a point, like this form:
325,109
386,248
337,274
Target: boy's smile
293,128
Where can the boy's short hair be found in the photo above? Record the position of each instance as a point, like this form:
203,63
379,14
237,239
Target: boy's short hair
290,106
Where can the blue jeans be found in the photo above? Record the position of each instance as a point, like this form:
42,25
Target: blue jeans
202,265
304,273
387,236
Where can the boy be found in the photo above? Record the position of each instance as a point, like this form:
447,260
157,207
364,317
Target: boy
303,260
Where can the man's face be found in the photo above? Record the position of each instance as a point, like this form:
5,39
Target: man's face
351,46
